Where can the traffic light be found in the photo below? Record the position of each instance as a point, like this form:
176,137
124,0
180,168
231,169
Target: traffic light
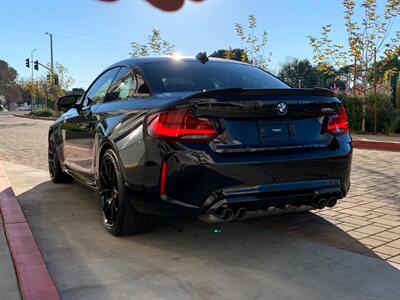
36,65
48,78
56,82
27,62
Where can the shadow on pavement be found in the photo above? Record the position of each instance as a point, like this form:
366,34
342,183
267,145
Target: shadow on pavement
186,259
312,227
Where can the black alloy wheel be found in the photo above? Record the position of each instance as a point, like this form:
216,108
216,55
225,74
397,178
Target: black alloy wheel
109,192
119,217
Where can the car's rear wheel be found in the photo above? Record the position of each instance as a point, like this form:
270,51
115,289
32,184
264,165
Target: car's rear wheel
56,173
119,217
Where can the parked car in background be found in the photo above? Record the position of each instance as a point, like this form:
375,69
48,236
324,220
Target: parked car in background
213,138
24,107
1,107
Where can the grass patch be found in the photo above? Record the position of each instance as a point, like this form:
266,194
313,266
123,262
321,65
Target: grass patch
42,113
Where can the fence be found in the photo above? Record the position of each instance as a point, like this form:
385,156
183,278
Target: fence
307,81
332,82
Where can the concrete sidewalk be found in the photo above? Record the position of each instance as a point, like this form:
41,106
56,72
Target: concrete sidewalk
8,280
183,258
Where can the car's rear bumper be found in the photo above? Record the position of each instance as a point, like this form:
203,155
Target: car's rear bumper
197,182
261,197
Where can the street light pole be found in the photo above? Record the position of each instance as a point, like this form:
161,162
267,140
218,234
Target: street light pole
32,62
51,57
51,64
32,76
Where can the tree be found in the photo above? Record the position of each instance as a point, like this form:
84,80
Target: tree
76,91
366,38
29,88
64,81
234,54
8,87
252,44
299,73
42,88
155,45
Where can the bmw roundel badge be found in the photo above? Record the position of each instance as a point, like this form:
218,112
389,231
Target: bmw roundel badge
282,108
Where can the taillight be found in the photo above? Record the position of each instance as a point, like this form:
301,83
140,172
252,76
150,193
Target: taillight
180,124
338,124
163,178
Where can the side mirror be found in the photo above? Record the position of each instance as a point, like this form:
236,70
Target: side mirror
68,101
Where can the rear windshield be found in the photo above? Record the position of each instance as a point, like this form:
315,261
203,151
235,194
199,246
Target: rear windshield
183,76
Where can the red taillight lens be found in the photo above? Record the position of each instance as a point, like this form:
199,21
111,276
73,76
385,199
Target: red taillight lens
180,124
338,124
163,178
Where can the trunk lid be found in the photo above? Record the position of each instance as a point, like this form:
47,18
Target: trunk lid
267,120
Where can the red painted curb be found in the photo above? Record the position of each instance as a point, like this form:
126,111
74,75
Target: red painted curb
34,279
35,118
377,145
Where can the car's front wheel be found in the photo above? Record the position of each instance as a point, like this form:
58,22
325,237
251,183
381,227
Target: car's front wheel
119,217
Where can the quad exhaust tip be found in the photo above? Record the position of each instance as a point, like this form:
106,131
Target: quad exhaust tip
332,201
320,203
226,214
324,202
241,213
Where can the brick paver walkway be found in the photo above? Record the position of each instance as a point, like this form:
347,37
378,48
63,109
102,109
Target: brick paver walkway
24,141
367,221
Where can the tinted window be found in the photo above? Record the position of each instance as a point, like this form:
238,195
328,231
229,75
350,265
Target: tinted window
98,90
176,76
142,87
124,85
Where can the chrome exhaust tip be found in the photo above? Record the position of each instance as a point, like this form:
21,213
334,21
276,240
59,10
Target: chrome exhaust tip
322,203
332,202
319,203
241,213
226,214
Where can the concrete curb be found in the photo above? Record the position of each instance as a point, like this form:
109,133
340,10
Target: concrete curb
377,145
34,279
35,118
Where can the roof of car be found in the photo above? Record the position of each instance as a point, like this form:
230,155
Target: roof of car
138,61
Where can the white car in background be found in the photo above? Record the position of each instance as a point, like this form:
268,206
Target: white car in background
24,107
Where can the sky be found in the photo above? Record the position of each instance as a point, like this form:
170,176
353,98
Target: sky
90,35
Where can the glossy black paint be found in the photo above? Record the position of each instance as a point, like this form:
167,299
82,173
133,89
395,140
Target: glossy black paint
237,165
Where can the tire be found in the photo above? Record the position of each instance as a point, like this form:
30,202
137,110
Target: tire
119,217
56,173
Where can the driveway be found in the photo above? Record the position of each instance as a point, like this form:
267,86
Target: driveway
349,252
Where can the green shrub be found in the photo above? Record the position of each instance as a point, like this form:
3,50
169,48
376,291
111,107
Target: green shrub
388,119
42,113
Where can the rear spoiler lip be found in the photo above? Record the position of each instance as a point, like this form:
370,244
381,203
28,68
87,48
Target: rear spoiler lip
238,91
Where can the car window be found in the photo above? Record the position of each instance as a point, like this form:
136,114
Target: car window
142,90
180,76
123,86
97,92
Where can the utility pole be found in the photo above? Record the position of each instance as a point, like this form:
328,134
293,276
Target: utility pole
32,77
51,56
51,65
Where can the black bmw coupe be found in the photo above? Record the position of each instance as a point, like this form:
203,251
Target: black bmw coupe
213,138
